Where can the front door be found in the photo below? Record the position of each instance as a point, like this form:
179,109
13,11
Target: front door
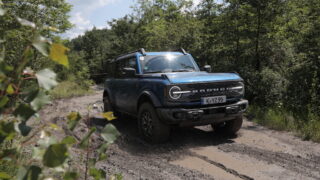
126,86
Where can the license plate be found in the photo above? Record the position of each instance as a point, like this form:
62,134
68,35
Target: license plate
213,100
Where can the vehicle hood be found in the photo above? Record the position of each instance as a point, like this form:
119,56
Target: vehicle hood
191,77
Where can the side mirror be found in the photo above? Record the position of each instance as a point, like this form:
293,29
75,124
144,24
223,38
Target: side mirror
129,72
207,68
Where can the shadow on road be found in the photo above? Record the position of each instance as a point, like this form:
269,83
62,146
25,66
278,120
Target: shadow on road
181,138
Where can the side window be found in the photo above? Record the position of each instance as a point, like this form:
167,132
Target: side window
118,67
129,62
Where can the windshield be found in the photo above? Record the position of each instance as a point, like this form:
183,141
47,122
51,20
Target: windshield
167,63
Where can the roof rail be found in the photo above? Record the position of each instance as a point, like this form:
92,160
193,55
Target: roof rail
141,50
181,50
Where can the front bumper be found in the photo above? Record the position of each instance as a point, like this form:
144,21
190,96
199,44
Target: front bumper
202,116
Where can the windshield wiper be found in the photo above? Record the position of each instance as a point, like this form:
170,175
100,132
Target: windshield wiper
153,72
183,70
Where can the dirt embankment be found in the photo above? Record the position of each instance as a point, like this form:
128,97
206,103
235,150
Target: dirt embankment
199,153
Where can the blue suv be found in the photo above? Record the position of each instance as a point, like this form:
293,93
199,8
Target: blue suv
165,89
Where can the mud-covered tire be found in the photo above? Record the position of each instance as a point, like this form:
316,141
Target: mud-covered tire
150,126
107,107
106,104
229,127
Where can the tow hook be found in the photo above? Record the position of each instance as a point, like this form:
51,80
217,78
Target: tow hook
195,115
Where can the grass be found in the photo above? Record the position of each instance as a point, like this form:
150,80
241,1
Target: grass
279,119
68,89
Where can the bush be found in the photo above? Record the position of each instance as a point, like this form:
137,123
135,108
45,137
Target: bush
281,119
67,89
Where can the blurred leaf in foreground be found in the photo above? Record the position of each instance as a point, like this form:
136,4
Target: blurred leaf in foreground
46,79
24,112
24,129
97,174
3,101
73,119
2,11
25,22
70,176
41,44
110,133
85,140
29,173
109,116
55,155
4,175
69,140
58,54
40,100
10,89
7,131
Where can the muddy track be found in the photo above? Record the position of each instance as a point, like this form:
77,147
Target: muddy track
199,153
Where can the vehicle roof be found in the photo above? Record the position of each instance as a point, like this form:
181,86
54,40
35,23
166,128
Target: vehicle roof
148,54
162,53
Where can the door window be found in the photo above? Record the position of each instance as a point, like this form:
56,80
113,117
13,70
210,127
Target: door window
125,63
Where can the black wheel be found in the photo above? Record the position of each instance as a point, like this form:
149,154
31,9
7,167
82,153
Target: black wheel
106,104
150,126
107,107
229,127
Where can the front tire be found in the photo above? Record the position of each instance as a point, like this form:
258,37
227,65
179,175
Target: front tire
229,127
150,126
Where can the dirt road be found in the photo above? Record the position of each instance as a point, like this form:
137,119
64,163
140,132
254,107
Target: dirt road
199,153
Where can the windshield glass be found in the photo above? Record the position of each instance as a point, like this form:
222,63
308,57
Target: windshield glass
167,63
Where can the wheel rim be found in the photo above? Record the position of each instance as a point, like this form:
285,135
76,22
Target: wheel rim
146,124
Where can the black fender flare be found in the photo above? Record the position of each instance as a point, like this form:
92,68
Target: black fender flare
148,95
106,92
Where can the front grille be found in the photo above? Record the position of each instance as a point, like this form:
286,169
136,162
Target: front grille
208,89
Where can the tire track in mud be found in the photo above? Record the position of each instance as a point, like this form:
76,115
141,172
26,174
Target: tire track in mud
309,167
220,165
146,163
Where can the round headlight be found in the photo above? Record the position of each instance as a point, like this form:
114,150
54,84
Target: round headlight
239,88
242,89
173,92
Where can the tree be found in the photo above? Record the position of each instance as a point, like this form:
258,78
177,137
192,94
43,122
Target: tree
51,15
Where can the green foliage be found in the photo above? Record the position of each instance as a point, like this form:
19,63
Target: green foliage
7,131
4,175
85,140
24,91
55,155
68,89
73,119
280,119
97,174
70,176
69,140
29,173
109,133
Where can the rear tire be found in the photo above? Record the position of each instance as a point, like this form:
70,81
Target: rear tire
106,104
150,126
107,107
229,127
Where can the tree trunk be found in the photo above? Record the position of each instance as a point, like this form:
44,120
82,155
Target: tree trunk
258,63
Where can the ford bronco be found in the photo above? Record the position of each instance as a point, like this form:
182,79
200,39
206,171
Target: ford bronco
165,89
